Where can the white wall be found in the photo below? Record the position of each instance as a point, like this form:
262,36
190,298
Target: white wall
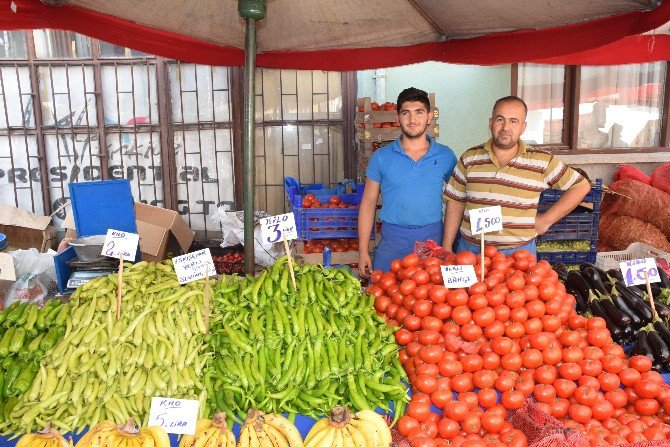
464,94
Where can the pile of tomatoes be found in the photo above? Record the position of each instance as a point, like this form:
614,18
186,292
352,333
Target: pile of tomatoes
311,201
476,353
336,245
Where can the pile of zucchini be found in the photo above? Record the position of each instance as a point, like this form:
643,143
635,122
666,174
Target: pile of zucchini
626,310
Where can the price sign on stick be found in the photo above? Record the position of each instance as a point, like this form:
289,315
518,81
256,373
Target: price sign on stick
192,266
177,416
276,228
457,276
486,220
120,243
281,228
633,271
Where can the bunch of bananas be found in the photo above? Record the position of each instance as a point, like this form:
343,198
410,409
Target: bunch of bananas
362,429
108,434
268,430
210,433
49,437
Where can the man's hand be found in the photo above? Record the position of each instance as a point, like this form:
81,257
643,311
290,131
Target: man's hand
364,264
541,224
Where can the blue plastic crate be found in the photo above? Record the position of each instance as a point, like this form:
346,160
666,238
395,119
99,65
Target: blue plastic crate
594,196
573,227
569,257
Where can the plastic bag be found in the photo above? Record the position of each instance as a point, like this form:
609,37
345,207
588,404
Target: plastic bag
35,277
431,249
232,227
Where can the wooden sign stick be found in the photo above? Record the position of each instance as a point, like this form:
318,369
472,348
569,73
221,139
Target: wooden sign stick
119,285
290,262
482,254
651,297
206,299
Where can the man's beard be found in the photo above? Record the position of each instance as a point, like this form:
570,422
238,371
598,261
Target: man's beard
415,135
499,143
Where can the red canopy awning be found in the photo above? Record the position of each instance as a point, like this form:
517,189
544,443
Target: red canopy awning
608,40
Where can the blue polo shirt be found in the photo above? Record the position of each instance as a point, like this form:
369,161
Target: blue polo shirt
411,191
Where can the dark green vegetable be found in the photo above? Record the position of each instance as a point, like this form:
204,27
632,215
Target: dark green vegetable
17,340
10,376
24,380
6,340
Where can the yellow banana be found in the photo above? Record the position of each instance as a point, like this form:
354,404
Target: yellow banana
159,436
289,430
273,435
321,424
368,429
369,440
355,435
253,438
339,438
379,423
244,436
323,438
347,440
202,439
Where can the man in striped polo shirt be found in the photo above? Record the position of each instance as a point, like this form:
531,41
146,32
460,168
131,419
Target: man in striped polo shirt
505,171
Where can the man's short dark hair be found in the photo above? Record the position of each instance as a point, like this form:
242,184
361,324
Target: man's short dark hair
412,94
512,98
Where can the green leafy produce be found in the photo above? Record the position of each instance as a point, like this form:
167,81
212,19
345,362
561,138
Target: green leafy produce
560,246
300,351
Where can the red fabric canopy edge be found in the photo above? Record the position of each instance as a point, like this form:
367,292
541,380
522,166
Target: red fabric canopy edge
629,50
569,44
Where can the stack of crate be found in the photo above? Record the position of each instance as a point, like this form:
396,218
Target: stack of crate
579,228
376,126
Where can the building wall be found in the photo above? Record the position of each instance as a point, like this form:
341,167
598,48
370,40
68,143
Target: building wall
464,96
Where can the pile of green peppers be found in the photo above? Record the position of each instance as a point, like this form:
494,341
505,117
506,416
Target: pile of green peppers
26,333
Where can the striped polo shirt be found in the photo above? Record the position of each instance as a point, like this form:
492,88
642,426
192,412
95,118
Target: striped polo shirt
479,181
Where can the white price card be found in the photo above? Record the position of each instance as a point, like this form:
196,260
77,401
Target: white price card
174,415
486,220
457,276
633,271
191,266
7,271
276,228
119,243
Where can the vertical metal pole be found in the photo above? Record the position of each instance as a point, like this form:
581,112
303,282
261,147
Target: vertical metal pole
248,154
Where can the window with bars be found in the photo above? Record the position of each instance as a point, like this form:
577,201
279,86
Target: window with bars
78,109
595,108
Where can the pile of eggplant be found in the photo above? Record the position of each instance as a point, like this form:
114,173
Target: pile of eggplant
626,310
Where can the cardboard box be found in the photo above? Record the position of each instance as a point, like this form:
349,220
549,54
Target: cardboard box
163,233
26,230
337,258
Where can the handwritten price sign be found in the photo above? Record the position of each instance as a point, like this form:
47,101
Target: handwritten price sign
633,271
120,243
276,228
174,415
191,266
486,220
457,276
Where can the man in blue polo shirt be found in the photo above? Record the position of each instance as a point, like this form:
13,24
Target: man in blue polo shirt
410,174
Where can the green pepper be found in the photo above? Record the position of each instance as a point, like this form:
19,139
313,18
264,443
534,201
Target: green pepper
62,315
51,316
21,320
24,380
10,376
24,354
35,343
9,406
17,340
4,343
40,323
49,340
32,317
5,364
15,313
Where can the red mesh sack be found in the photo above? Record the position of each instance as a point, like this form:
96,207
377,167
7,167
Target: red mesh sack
628,172
543,430
430,249
660,178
